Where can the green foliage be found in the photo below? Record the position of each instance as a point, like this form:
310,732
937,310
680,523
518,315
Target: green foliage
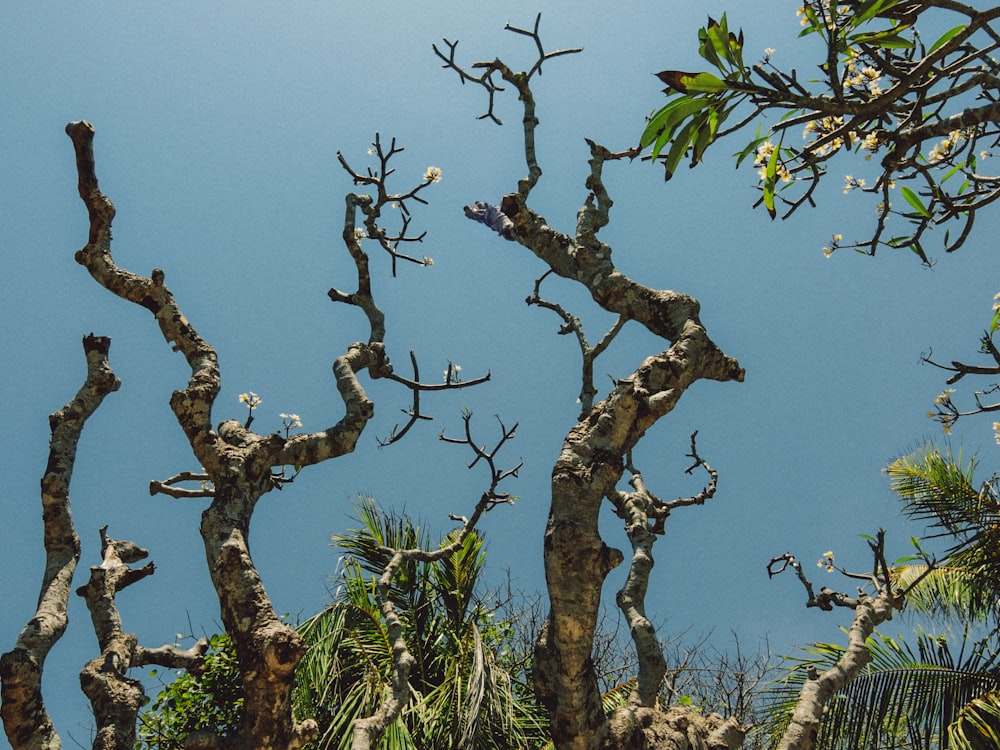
464,692
938,488
930,696
470,687
690,122
905,698
881,93
212,701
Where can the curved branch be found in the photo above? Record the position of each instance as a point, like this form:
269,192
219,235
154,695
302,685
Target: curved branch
25,719
193,405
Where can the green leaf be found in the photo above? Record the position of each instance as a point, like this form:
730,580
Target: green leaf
706,135
750,148
914,200
707,49
679,148
717,36
679,80
951,172
996,321
945,38
887,39
770,178
918,250
663,123
868,10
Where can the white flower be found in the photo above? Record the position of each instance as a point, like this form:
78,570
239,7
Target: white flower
944,396
251,399
433,174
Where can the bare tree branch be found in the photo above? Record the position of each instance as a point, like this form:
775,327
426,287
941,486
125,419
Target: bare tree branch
25,719
871,609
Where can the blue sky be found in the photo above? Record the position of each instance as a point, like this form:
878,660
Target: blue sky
217,134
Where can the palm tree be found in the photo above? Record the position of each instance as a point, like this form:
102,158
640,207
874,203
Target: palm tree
907,698
469,688
927,697
937,488
467,692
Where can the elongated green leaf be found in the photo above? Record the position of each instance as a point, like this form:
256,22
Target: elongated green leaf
978,723
705,135
704,83
945,38
770,178
996,321
870,9
707,49
661,127
718,35
914,200
679,147
887,39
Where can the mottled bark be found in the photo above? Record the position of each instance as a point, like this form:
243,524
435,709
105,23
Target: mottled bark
870,611
644,515
239,464
816,693
677,728
114,697
592,459
26,722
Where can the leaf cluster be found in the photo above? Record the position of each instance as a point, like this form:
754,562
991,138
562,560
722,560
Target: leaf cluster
929,113
906,697
470,686
210,701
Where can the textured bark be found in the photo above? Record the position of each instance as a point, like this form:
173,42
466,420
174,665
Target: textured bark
593,454
239,464
591,462
115,698
816,693
644,515
870,611
677,728
26,722
576,558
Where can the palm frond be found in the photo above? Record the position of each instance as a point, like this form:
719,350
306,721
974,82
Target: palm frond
461,696
904,697
946,591
978,724
937,486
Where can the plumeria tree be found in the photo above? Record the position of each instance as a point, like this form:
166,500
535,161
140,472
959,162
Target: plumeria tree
907,87
237,467
881,111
